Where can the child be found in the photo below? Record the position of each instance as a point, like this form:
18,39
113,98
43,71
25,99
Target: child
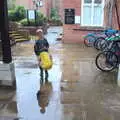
41,45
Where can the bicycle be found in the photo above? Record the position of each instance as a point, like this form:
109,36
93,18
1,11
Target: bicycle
110,57
93,37
102,43
90,38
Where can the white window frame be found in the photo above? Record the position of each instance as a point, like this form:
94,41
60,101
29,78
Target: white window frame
92,5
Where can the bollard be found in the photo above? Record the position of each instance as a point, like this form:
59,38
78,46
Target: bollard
7,74
118,78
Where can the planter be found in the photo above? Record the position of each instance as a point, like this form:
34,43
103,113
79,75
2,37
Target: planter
32,29
13,26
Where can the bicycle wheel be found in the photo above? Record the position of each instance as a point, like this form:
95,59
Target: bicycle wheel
103,45
106,61
99,42
89,40
96,44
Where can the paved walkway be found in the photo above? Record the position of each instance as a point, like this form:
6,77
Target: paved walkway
77,90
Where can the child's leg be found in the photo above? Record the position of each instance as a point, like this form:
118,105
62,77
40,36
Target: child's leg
41,81
41,70
41,73
46,75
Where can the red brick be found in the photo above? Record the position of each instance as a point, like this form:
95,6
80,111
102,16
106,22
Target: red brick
70,35
114,17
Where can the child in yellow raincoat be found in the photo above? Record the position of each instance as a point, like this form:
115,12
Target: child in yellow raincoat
41,50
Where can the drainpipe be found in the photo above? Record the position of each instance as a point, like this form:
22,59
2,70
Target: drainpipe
118,19
4,29
111,13
7,71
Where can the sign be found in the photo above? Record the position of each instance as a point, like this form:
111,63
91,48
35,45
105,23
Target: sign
40,3
69,16
31,14
77,19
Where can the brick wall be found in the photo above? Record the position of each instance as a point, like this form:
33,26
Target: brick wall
26,3
48,7
61,13
115,21
114,16
73,36
73,4
58,4
74,33
70,35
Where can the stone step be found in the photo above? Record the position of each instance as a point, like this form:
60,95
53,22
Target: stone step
8,118
18,37
21,40
14,34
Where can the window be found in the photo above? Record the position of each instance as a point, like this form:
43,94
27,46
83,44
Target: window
88,1
92,12
98,1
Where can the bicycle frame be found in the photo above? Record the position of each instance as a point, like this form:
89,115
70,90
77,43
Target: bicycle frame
115,48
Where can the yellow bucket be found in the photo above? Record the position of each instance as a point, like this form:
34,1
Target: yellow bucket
46,61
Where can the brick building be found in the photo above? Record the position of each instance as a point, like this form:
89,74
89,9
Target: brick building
43,5
81,17
112,13
58,4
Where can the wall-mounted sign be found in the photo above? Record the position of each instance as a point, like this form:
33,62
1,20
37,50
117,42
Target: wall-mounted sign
41,3
31,14
77,20
69,16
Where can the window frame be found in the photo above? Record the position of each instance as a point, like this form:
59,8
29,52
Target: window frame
92,16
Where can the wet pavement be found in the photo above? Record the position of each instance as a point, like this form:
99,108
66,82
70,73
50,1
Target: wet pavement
76,90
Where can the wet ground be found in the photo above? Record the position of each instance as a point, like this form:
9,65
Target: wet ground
76,90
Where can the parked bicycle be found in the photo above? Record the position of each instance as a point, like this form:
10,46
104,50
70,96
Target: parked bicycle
102,43
110,58
92,39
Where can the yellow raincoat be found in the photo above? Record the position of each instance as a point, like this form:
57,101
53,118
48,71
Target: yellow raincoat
46,61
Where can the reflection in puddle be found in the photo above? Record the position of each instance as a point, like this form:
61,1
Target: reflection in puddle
44,95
